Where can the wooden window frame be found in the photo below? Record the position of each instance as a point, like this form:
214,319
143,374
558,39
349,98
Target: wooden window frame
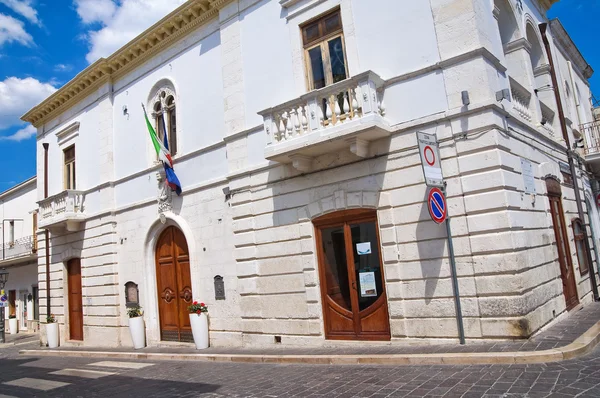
579,238
322,42
69,173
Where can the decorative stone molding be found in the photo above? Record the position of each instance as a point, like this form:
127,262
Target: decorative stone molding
301,162
71,131
164,33
359,147
342,200
518,44
550,170
542,70
69,254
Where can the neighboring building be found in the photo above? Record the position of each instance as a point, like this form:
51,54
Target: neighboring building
18,253
293,126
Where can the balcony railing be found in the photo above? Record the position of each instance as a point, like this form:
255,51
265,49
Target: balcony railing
591,132
21,247
65,208
335,112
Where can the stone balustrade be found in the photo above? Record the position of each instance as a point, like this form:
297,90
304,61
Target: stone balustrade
311,117
63,209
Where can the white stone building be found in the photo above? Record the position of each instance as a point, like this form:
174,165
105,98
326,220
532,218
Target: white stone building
293,131
18,253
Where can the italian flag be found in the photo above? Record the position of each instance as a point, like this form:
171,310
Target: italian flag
162,151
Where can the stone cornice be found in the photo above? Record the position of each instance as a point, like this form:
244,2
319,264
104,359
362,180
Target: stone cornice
564,40
162,34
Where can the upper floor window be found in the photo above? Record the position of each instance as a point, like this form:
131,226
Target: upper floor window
164,114
579,246
69,168
324,50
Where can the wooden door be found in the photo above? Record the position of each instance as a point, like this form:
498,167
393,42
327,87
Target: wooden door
562,244
351,273
12,302
75,299
174,284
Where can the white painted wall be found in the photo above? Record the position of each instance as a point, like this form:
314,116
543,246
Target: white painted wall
394,36
17,205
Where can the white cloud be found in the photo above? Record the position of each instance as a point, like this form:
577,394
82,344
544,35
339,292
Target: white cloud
121,21
23,8
91,11
23,134
11,30
17,96
62,67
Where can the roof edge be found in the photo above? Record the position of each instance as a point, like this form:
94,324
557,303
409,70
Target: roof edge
562,36
18,187
172,27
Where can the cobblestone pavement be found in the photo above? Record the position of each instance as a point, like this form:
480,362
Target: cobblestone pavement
92,377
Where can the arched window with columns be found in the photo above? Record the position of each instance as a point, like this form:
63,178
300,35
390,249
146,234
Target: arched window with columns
163,105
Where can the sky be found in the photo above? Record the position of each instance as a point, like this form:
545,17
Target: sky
45,43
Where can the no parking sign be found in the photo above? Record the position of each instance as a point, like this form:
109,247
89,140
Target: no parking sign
436,202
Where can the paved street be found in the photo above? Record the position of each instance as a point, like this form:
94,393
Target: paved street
91,377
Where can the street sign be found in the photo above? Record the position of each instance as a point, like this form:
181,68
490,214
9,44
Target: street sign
3,299
430,159
436,202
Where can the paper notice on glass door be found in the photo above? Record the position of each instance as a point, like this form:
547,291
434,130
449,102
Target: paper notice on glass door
363,248
367,284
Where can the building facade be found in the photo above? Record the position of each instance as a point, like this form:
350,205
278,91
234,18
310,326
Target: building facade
18,254
303,219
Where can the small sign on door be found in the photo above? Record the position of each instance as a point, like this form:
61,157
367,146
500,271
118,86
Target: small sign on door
368,288
363,248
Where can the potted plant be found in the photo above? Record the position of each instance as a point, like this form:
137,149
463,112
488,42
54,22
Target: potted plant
136,326
199,321
52,331
12,324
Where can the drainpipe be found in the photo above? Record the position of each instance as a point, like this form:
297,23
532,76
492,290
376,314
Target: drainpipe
46,233
563,125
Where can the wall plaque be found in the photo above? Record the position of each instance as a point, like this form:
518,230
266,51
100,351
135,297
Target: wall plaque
219,288
132,294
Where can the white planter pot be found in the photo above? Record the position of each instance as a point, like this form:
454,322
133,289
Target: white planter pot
52,334
138,332
200,330
13,325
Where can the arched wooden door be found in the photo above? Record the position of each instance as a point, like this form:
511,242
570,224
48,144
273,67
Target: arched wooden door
174,283
562,243
351,275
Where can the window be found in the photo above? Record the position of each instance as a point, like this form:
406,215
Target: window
325,51
69,177
165,118
580,246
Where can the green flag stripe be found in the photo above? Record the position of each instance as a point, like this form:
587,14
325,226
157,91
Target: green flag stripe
153,136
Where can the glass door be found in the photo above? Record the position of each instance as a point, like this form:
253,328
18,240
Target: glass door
352,280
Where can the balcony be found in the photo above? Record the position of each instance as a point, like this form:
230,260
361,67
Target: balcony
18,251
521,99
346,115
62,210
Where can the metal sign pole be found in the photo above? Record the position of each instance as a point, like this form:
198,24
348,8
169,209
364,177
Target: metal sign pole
459,317
2,335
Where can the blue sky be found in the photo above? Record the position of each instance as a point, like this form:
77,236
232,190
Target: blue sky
45,43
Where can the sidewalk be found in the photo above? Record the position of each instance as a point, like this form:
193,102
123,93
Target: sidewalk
574,336
19,338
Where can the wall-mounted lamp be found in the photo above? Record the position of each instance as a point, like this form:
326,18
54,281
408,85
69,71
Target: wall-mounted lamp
227,193
125,111
578,143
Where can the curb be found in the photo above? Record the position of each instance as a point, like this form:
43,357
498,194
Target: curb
581,346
